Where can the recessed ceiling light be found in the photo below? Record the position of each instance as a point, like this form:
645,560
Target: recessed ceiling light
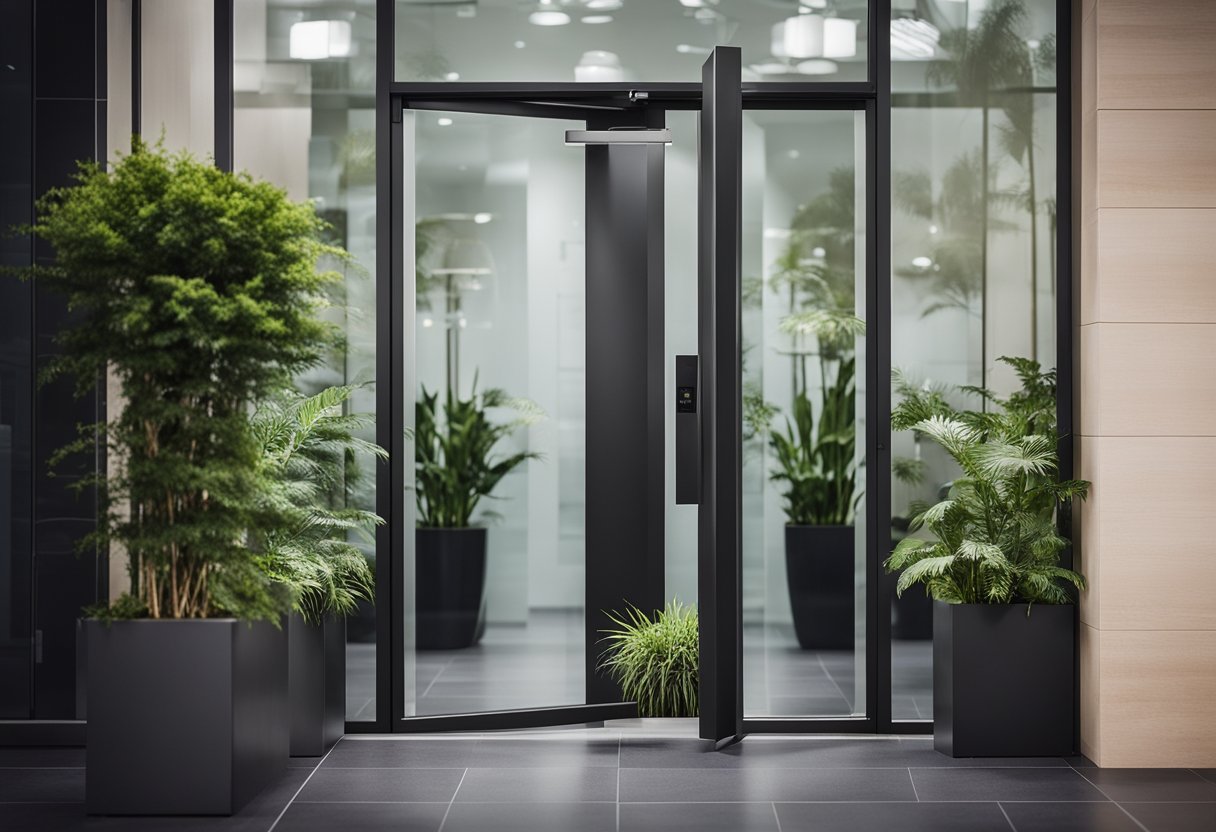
314,40
922,262
794,154
817,66
483,217
452,76
689,49
547,18
444,122
819,251
519,44
598,18
604,5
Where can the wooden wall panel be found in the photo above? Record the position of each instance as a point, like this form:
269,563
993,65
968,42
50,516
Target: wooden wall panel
1156,264
1156,158
1157,705
1157,55
1089,643
1151,513
1089,514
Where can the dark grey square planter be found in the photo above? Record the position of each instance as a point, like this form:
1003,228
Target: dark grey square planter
316,670
185,717
1003,680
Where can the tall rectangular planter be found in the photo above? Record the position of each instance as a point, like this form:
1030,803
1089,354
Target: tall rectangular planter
1003,680
185,717
316,667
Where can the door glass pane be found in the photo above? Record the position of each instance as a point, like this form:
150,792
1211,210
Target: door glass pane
973,239
804,402
495,208
628,40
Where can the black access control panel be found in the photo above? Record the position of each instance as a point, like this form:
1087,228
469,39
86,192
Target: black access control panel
688,431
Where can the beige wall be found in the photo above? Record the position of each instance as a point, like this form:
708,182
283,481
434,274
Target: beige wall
1148,382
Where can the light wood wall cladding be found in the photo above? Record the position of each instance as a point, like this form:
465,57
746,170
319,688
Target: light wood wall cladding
1157,264
1148,381
1156,158
1158,698
1157,55
177,73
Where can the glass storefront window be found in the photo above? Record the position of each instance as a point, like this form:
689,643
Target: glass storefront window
973,242
305,116
628,40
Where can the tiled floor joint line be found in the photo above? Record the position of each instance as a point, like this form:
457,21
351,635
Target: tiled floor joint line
1008,819
448,811
315,769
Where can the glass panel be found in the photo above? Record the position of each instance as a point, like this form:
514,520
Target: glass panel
496,204
628,40
308,125
804,404
973,246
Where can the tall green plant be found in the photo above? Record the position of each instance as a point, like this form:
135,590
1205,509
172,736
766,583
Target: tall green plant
993,539
309,454
198,290
656,662
455,461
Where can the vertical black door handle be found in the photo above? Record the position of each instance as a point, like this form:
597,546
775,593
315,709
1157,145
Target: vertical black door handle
688,432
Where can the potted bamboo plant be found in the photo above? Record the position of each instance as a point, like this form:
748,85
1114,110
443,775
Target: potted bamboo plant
310,542
197,290
989,555
456,467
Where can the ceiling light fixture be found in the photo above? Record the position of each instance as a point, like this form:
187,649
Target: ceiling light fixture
315,40
547,14
817,66
444,121
595,19
839,38
603,5
599,65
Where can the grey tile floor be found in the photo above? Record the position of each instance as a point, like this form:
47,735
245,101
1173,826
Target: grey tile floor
640,775
540,664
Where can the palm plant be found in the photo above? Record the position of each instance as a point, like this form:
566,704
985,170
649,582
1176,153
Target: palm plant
655,661
308,452
455,463
994,537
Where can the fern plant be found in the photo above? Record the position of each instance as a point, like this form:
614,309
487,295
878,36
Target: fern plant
655,661
309,449
993,539
455,464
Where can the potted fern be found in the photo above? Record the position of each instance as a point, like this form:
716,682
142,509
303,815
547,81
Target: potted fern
815,455
198,291
989,555
456,467
310,543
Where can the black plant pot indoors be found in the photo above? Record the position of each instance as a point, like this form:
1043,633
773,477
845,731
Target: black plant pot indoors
450,595
1003,680
819,571
316,672
185,717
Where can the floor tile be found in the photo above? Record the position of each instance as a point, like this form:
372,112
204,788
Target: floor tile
1038,784
363,817
1069,817
914,817
45,785
41,817
531,817
698,817
394,753
1174,817
41,757
1151,784
381,784
538,785
743,785
556,752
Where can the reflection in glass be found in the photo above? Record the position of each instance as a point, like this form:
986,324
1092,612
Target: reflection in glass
498,421
803,361
973,243
304,118
628,40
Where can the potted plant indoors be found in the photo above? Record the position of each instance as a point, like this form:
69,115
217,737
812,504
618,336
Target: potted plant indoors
816,460
655,661
310,542
1004,627
197,291
456,467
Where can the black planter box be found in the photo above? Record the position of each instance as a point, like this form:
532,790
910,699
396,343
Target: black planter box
316,686
819,569
185,717
450,594
1003,680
